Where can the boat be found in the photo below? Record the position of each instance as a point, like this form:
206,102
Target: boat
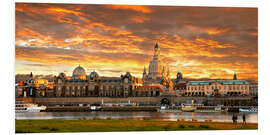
211,109
168,110
95,107
188,108
249,110
28,107
165,109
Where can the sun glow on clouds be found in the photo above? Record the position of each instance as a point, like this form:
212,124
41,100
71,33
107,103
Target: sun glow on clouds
114,39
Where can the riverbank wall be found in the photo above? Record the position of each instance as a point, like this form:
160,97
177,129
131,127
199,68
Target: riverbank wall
142,101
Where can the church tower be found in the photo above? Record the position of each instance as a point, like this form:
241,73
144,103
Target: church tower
155,65
144,76
158,73
179,75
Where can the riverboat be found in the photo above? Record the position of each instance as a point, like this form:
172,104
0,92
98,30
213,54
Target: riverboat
165,109
95,107
188,108
211,109
250,110
29,107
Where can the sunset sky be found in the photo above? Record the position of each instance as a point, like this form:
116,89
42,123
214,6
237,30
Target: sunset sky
203,42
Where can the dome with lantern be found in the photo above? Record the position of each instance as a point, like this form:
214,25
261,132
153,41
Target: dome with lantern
78,72
62,75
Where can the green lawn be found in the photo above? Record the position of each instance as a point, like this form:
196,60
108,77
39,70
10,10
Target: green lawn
47,126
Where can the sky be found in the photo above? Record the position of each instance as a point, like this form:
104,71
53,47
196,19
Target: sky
201,42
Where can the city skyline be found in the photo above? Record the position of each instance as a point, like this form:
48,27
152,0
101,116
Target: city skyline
204,42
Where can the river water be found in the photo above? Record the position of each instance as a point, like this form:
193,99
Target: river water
218,117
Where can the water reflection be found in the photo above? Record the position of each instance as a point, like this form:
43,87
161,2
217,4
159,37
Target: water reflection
220,117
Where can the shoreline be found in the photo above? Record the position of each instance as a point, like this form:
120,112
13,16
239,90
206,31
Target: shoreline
123,125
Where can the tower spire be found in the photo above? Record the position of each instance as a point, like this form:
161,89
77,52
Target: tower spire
234,76
144,70
178,70
156,46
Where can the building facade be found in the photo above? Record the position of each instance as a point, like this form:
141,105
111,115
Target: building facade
253,89
81,85
179,84
217,87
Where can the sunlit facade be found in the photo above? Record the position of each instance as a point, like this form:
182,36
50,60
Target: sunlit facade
81,85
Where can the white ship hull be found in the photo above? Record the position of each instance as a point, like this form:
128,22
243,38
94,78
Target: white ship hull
248,110
21,108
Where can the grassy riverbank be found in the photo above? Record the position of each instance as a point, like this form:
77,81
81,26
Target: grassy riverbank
47,126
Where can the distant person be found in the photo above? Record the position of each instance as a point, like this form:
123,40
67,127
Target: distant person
244,119
234,118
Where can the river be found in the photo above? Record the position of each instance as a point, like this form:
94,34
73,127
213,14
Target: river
218,117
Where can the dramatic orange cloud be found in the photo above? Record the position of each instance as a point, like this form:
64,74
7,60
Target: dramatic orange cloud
214,31
137,8
113,39
140,19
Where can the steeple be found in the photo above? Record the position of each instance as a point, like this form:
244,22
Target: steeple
179,75
144,74
163,70
156,52
168,72
234,76
144,70
31,74
156,46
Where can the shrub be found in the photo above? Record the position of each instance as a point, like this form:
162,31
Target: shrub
204,126
166,128
181,126
194,120
53,129
191,126
44,128
181,119
146,118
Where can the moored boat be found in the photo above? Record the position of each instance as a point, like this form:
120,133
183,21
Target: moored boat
29,107
188,108
211,109
249,110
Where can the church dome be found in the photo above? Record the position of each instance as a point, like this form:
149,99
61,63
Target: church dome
93,74
78,71
62,75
